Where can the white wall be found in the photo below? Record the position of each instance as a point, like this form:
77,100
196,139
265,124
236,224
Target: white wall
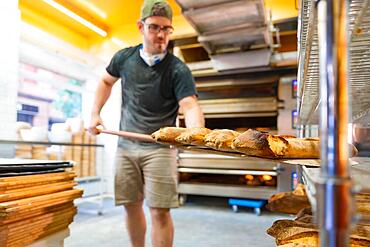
43,50
9,60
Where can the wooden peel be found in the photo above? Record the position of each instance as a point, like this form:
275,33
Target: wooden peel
128,135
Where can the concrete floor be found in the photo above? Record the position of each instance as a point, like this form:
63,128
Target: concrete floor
202,222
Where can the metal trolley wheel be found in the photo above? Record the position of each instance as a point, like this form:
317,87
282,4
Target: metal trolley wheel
235,208
257,211
182,199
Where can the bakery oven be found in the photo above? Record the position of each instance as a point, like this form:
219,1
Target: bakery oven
239,102
232,176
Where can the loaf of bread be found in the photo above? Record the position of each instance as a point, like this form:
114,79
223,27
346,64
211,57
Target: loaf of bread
193,136
168,135
220,139
303,232
256,143
363,203
289,202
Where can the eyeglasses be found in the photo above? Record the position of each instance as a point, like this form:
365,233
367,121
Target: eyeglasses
154,28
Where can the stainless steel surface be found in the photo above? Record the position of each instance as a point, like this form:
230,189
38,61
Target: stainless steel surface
360,174
239,60
333,192
308,76
310,185
238,115
308,68
234,82
194,4
234,39
213,161
257,192
193,162
260,105
228,26
217,17
226,172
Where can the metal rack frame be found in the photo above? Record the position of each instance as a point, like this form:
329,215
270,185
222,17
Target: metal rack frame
358,48
333,68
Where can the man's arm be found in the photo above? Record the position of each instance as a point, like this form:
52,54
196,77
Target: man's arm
192,112
102,94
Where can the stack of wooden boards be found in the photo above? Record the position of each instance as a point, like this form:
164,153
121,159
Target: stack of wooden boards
250,142
26,151
83,156
35,206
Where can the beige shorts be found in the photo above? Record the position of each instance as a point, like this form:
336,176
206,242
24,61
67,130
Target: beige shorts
146,173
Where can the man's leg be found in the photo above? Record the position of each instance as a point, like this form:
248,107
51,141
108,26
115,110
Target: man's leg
129,193
162,227
135,223
160,175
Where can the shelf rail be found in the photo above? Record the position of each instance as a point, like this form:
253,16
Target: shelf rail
335,200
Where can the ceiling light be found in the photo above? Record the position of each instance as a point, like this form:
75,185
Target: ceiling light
118,42
76,17
93,8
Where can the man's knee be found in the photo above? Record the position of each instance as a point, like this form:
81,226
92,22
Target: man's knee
160,215
135,207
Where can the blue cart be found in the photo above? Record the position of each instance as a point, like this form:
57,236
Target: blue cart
252,203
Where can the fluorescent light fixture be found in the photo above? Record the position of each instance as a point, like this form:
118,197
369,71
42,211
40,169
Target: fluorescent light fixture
76,17
93,8
118,42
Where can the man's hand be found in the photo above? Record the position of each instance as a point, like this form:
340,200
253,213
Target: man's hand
94,123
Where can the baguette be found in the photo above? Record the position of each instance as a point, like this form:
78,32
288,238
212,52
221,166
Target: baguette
221,139
193,136
168,135
255,143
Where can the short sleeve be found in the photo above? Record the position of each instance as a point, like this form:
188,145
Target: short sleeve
183,80
117,62
112,68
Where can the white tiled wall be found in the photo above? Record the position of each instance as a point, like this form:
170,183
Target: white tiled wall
9,45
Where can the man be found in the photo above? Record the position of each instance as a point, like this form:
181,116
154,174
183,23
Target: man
154,85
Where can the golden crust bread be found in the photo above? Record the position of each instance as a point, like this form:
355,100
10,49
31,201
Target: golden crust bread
296,245
221,139
299,190
255,143
168,135
289,202
302,148
363,203
303,231
193,136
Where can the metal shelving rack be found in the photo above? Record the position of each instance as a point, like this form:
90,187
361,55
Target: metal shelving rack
334,60
308,72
